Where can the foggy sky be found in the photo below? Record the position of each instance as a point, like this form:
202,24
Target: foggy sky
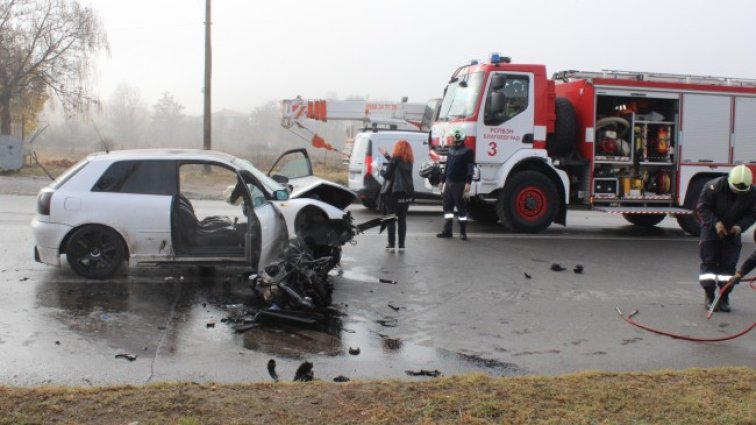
383,50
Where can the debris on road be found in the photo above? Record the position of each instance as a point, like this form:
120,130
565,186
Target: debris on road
341,378
393,307
388,322
557,267
127,356
389,281
272,369
23,279
578,269
527,276
354,351
304,372
423,372
210,324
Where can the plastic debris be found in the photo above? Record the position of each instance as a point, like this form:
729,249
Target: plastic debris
127,356
557,267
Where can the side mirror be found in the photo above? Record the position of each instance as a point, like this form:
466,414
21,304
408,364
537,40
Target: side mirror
498,82
280,179
497,102
281,195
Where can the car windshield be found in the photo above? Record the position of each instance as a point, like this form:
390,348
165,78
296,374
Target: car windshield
271,184
461,97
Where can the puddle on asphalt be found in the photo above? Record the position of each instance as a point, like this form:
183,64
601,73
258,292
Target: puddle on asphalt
134,316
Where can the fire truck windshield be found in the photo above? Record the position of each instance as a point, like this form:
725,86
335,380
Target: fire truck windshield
461,97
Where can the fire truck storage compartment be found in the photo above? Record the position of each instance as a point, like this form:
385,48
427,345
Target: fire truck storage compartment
635,141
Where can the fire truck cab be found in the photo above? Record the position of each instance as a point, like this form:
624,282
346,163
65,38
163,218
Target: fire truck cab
631,143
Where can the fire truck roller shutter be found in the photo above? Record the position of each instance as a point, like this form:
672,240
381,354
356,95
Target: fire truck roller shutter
562,142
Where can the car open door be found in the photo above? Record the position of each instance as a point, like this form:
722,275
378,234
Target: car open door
294,168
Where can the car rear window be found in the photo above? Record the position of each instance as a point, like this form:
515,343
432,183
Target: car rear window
63,178
152,177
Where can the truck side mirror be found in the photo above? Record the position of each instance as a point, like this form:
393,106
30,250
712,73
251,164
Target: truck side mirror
497,102
498,81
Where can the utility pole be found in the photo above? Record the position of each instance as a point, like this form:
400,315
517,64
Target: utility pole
207,128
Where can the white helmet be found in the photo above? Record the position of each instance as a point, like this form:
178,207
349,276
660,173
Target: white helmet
740,179
457,135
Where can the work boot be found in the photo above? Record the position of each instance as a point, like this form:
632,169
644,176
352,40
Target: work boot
710,295
463,230
447,231
724,302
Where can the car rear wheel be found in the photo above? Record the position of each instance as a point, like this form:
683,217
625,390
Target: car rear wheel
95,252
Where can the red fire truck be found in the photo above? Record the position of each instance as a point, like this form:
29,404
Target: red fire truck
632,143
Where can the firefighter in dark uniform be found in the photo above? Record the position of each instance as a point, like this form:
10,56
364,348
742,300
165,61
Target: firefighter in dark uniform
455,182
748,265
727,206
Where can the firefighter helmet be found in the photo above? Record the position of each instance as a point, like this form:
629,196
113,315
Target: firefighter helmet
740,179
457,135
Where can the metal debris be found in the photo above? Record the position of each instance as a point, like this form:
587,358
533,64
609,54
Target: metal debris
578,269
354,351
389,281
557,267
527,276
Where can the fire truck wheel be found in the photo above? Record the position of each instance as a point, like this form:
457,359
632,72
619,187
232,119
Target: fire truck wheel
528,203
562,141
689,222
483,212
645,220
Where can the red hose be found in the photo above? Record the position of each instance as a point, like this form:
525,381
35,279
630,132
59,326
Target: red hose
629,319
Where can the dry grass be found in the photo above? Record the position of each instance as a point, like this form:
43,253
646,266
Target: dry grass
695,396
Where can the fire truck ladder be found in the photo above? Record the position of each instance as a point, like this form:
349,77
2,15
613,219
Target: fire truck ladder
656,77
397,115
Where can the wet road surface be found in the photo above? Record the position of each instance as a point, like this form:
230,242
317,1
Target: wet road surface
456,307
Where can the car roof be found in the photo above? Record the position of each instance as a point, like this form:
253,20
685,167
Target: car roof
189,154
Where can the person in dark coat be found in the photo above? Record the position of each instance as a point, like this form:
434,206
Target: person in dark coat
455,181
398,190
748,265
726,207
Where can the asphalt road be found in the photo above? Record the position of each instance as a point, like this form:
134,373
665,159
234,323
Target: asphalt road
457,306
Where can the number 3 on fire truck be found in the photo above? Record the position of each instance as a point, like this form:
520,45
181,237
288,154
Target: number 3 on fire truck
491,148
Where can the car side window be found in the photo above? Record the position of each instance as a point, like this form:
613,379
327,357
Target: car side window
292,166
513,92
258,197
147,177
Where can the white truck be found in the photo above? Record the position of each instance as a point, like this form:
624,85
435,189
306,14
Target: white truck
382,123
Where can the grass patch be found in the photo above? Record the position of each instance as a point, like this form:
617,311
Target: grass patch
693,396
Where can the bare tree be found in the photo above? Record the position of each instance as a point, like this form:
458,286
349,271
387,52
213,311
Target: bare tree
46,45
126,117
167,120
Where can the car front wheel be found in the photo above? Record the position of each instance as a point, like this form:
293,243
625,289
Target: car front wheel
95,252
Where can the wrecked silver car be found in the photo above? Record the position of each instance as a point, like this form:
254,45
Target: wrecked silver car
191,207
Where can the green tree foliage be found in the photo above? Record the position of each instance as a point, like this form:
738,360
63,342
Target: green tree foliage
46,48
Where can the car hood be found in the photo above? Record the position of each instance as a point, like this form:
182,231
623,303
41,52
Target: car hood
324,190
